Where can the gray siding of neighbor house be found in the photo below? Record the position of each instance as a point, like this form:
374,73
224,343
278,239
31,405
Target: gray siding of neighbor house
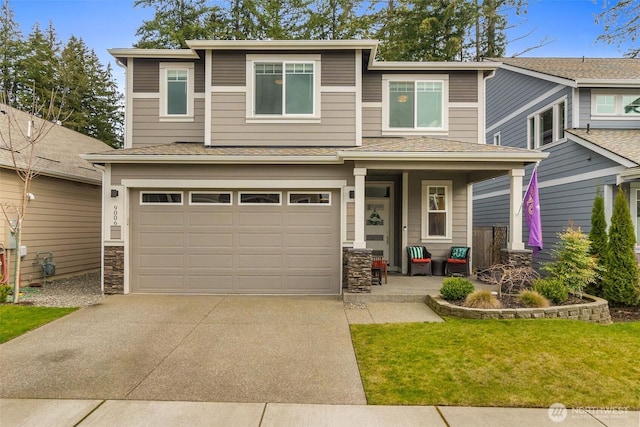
64,219
147,129
459,225
585,114
146,74
564,203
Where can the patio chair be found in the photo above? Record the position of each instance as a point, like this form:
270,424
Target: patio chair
458,261
381,264
419,260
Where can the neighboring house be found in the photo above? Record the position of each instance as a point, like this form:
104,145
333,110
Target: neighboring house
65,214
262,167
585,113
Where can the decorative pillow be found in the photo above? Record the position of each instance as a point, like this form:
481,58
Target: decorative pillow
459,253
416,251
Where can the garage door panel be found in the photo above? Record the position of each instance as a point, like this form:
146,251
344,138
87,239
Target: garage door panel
251,249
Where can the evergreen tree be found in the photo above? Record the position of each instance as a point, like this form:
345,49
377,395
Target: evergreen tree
242,22
337,19
282,19
11,51
621,284
599,241
74,84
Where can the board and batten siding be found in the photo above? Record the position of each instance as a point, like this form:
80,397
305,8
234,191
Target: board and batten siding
146,74
459,210
147,129
64,218
337,125
603,123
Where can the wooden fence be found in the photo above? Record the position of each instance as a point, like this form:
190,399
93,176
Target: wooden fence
487,242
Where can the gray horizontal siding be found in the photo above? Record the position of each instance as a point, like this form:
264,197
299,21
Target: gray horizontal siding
146,74
337,125
463,86
229,68
371,122
569,159
463,124
339,68
147,129
585,114
371,86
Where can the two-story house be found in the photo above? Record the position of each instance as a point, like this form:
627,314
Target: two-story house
585,113
277,167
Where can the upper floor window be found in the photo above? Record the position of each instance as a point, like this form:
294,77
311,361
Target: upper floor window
176,91
284,88
547,125
415,103
612,104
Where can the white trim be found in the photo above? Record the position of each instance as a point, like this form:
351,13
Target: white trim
338,89
372,105
439,78
424,210
525,107
283,119
343,218
128,106
463,105
127,239
176,119
189,67
199,95
281,44
289,193
145,95
232,183
559,181
405,221
192,203
607,195
153,53
358,88
241,203
208,101
482,108
229,89
634,189
470,221
555,126
360,185
575,109
143,203
497,137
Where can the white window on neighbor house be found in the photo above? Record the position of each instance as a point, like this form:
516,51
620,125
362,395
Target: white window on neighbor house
437,210
415,104
547,125
176,91
611,104
497,139
283,88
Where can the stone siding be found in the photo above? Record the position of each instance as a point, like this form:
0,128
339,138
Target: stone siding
114,269
594,312
523,258
356,270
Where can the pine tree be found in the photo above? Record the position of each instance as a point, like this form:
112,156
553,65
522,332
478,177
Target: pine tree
11,51
337,19
621,284
599,241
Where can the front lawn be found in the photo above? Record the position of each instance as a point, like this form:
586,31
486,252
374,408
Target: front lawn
520,363
15,320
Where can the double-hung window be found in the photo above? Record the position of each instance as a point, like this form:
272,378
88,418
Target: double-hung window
176,91
436,210
547,126
285,88
620,105
415,104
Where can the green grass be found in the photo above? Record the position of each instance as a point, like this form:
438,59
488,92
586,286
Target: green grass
15,320
517,363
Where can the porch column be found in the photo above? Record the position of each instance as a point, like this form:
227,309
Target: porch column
515,213
359,241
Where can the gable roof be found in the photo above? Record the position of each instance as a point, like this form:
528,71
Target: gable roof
398,148
58,154
581,71
624,143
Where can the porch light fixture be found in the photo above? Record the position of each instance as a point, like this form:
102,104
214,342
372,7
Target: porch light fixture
114,193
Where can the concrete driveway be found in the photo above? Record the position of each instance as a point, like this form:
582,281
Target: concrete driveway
189,348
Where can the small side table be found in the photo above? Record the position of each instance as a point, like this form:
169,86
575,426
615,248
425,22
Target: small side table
438,266
376,276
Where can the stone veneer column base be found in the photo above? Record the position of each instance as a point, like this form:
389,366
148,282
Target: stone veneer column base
356,270
520,258
114,269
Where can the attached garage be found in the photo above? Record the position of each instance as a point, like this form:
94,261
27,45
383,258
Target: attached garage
280,241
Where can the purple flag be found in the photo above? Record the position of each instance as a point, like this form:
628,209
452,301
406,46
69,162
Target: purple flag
532,213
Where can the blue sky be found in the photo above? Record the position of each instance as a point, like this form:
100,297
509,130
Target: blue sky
105,24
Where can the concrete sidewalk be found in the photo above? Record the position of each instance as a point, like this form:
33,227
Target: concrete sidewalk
85,413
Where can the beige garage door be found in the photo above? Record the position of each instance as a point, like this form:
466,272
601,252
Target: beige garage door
235,242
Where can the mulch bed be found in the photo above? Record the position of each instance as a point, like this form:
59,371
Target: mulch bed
625,314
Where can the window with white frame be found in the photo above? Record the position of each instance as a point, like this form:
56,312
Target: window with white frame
210,198
615,104
497,139
309,198
260,198
176,90
436,210
160,197
284,88
415,103
547,126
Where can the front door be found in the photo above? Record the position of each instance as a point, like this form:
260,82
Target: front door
378,220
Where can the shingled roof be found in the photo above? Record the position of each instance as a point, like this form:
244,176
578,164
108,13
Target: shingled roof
622,142
579,68
58,154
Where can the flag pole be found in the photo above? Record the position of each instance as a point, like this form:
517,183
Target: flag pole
528,186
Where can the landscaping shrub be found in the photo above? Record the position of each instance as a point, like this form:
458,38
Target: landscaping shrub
481,299
551,288
456,288
5,290
533,299
621,283
599,242
573,265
